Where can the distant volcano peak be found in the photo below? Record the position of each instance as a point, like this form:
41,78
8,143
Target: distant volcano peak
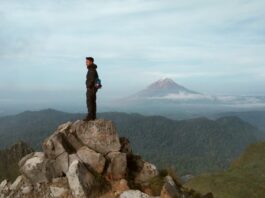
163,87
163,83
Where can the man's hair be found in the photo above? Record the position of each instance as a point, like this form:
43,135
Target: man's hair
90,58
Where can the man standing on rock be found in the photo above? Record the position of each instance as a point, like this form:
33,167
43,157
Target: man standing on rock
91,79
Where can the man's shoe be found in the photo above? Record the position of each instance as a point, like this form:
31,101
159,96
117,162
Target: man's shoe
87,119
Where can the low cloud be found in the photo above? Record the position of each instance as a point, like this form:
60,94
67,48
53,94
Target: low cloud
183,96
224,100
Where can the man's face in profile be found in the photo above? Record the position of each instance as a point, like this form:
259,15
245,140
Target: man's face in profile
88,62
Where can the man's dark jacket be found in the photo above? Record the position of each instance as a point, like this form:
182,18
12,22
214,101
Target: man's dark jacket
91,76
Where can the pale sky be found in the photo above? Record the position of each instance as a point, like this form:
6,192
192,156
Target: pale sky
210,46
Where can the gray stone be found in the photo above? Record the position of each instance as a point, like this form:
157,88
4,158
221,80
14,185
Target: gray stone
134,194
170,189
17,183
63,127
26,157
118,165
4,187
26,189
53,169
80,180
39,169
76,143
58,191
92,158
125,145
3,184
146,173
99,135
73,157
57,144
34,168
75,126
62,162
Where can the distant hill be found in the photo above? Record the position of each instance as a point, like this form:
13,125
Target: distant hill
244,179
256,118
31,126
10,158
192,146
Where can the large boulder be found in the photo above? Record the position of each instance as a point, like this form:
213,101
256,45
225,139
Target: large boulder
117,165
89,141
56,145
99,135
92,158
82,182
37,168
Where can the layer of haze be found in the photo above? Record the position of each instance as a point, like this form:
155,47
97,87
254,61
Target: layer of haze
214,47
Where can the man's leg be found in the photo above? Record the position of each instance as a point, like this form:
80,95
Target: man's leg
92,104
87,103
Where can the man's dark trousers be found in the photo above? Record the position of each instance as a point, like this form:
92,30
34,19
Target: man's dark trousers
91,102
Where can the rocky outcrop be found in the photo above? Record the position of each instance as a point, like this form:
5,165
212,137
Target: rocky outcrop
134,193
87,159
